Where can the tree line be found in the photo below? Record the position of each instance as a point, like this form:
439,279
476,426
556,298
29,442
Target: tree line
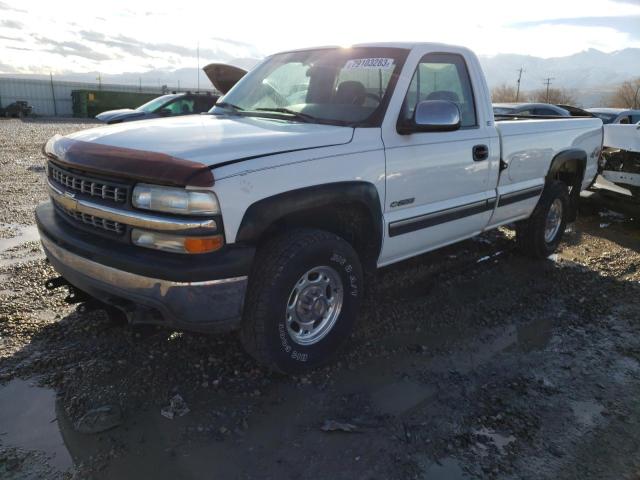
626,95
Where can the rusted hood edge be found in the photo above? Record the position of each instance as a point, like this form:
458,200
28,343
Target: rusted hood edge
128,163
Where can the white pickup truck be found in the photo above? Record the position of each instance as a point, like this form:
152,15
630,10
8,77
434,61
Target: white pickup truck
317,167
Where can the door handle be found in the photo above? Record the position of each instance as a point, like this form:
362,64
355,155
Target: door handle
480,152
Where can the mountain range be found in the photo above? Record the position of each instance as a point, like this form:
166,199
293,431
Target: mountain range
591,75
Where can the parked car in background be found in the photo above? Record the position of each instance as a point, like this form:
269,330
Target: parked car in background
616,115
17,109
576,111
165,106
538,109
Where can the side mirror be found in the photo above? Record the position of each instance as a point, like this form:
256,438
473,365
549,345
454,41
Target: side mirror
165,112
433,116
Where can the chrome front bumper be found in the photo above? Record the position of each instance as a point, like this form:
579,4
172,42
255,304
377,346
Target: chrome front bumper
206,306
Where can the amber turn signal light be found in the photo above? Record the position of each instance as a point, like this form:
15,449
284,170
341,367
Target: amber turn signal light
203,244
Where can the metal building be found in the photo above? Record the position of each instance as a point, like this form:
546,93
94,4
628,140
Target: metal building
54,97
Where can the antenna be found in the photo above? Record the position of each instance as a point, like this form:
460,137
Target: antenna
547,82
519,78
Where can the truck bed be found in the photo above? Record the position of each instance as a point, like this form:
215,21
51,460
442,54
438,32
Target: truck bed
528,146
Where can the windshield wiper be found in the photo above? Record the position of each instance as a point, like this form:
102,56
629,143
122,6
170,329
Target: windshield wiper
305,117
229,105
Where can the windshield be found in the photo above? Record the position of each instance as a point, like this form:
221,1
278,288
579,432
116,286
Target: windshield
341,86
606,117
156,103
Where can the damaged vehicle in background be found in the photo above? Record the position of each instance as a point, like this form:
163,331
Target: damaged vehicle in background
620,162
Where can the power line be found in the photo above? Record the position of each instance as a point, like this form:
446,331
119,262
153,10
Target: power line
547,82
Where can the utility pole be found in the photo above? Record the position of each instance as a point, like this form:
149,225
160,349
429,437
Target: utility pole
547,82
519,78
140,84
53,96
99,81
198,70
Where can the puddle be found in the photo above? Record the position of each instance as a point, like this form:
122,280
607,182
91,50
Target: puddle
446,469
28,421
398,398
499,440
587,412
25,234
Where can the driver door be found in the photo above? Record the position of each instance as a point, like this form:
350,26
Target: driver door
440,186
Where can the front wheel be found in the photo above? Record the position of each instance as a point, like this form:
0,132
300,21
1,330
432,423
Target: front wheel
303,299
540,234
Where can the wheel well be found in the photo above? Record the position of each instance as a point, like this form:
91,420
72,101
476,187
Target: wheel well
569,167
351,221
350,209
570,172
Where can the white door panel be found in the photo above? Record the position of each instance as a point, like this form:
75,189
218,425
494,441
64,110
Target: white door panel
436,193
412,231
516,200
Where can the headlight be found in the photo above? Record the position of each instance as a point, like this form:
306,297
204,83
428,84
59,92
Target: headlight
176,243
175,200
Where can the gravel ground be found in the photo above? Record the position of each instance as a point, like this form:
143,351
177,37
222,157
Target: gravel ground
469,362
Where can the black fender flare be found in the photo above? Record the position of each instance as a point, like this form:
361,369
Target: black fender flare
265,212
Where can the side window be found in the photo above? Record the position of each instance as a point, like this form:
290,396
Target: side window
635,118
545,111
442,76
180,106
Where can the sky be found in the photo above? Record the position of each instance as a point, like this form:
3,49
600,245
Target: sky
115,36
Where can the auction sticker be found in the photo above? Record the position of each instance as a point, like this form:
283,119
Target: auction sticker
383,63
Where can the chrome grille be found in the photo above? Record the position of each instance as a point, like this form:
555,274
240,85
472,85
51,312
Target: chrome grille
96,222
93,187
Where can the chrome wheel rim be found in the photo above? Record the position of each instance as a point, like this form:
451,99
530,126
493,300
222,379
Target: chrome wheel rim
554,220
314,305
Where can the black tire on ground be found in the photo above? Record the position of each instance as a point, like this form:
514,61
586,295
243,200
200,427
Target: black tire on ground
530,233
279,265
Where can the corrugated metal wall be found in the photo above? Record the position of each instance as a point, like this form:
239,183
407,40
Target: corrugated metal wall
40,95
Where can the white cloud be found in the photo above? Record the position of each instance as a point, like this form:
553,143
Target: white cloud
255,28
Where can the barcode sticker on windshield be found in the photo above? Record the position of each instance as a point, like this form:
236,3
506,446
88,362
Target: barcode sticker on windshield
383,63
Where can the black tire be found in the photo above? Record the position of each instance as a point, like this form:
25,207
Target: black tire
530,233
279,265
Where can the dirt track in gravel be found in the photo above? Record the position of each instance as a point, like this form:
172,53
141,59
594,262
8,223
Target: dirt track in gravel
469,362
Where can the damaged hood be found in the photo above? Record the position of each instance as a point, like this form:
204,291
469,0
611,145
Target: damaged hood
211,140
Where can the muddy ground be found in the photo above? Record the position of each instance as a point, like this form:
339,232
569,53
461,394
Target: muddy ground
471,362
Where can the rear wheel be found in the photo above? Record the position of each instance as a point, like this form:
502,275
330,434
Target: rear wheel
303,299
540,234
